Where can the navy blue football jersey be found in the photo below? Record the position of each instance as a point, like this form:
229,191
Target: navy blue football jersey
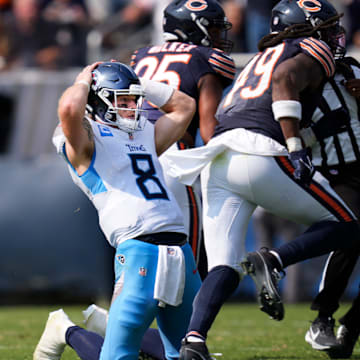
248,103
181,66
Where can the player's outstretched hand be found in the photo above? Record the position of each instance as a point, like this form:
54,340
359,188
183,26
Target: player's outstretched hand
304,169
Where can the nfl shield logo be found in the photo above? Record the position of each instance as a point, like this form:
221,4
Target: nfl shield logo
142,271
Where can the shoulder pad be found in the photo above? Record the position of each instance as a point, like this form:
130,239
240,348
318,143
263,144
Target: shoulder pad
223,64
320,52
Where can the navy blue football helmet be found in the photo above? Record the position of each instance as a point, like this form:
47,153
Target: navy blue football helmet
313,13
111,80
198,22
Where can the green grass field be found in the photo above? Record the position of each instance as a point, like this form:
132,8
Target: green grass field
240,332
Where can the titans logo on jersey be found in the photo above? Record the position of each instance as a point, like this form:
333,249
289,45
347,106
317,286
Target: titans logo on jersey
248,104
181,66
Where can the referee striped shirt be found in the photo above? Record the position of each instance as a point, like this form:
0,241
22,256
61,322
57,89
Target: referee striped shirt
336,124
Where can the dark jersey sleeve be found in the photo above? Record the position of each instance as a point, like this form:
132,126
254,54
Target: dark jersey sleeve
320,51
208,60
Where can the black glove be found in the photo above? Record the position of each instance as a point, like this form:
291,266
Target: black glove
304,169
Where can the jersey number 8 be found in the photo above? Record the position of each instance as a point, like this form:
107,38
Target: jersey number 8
149,185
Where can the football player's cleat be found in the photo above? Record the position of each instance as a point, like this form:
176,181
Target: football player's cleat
346,339
95,319
194,351
52,342
266,278
321,334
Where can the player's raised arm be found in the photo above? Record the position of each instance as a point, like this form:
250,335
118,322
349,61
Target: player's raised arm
179,109
71,112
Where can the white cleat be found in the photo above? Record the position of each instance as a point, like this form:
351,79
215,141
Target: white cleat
95,319
52,342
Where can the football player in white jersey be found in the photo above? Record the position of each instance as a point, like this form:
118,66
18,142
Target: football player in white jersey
112,154
257,158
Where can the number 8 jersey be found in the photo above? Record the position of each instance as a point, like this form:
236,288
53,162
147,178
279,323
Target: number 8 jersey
248,104
125,183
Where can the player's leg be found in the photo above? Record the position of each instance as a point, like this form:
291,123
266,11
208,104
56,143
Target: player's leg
332,224
337,272
226,216
133,311
133,307
60,331
86,344
95,319
173,320
348,332
340,264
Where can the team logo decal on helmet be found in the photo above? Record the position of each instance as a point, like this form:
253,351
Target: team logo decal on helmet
202,5
314,7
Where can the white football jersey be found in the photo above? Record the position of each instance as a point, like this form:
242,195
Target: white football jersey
342,142
125,183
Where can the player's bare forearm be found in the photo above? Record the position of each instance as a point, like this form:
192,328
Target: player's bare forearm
210,90
290,127
171,127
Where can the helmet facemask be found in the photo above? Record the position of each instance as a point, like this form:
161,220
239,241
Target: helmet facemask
135,118
111,81
335,37
218,30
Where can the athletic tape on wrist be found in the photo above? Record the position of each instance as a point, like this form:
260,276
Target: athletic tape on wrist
156,92
286,108
293,144
84,82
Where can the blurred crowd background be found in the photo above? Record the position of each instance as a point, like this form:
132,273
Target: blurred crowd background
51,248
57,34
